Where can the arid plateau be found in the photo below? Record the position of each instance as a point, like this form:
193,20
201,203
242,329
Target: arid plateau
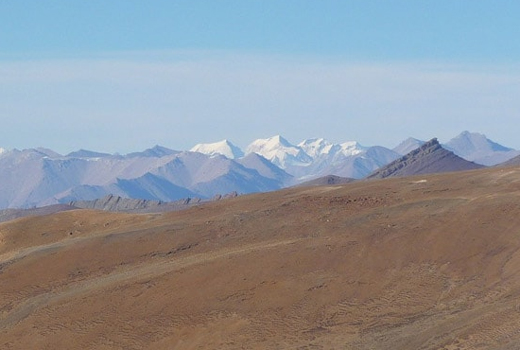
424,262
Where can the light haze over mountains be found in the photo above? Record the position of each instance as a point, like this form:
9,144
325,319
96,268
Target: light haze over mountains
38,177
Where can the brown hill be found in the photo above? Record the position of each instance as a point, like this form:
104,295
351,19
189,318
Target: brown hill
430,158
429,262
11,214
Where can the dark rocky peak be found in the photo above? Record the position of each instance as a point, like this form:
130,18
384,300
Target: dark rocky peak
429,158
426,148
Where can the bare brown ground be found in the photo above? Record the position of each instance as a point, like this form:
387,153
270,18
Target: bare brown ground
428,262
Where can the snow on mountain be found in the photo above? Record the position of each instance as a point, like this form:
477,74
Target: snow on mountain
224,147
318,157
354,161
279,151
478,148
317,146
351,148
2,150
408,145
36,177
347,159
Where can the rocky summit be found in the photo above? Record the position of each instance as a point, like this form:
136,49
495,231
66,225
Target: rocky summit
429,158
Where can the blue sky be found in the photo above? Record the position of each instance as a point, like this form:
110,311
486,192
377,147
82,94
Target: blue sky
121,76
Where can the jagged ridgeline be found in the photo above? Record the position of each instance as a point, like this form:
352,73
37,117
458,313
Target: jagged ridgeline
429,158
41,177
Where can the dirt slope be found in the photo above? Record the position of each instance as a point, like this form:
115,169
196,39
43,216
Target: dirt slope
11,214
429,262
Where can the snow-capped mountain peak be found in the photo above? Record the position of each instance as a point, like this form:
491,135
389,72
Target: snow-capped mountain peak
273,142
35,177
351,148
316,146
279,151
224,147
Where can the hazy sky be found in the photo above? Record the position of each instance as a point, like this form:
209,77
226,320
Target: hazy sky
124,75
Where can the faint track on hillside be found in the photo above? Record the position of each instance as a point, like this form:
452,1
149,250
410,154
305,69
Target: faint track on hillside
14,255
143,271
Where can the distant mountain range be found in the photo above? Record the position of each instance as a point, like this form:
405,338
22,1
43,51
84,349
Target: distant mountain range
38,177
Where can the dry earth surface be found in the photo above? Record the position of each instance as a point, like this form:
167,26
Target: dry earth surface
430,262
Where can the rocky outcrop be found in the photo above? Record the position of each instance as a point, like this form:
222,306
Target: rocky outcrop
117,203
430,158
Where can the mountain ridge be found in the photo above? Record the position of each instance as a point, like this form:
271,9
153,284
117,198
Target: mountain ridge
224,147
32,178
38,177
429,158
478,148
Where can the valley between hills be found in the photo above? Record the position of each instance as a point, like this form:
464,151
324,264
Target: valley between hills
421,262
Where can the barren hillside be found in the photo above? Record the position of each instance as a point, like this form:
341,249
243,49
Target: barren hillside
429,262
